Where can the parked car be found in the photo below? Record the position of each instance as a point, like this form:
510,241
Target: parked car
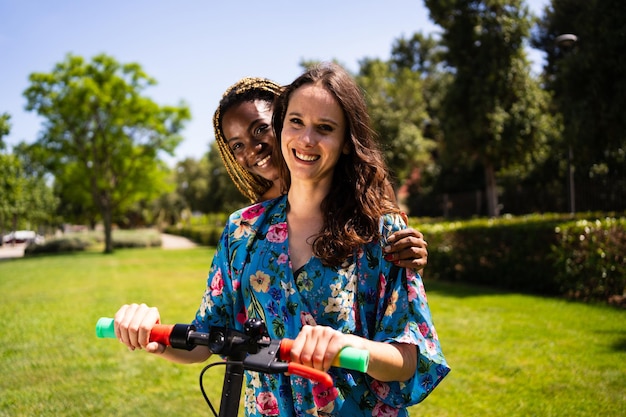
22,236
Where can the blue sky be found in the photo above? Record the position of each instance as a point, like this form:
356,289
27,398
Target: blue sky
196,49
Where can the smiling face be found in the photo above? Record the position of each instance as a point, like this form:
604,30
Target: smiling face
313,135
248,131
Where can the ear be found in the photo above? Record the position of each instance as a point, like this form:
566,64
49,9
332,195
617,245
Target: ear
347,147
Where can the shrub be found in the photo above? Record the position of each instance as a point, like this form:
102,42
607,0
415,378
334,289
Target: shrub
207,235
145,238
590,259
545,254
72,242
59,245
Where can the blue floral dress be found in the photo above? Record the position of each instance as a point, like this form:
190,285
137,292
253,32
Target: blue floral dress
251,276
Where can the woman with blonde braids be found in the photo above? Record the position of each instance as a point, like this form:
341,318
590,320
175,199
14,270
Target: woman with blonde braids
246,140
244,135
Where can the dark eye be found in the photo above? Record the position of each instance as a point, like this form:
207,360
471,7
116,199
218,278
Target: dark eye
236,147
325,128
295,121
261,130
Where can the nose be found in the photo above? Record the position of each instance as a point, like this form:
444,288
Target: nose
254,149
307,137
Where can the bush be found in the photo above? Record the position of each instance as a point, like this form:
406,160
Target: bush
72,242
544,254
590,259
136,239
204,230
207,235
60,245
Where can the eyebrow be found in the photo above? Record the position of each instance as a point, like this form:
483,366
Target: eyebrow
323,119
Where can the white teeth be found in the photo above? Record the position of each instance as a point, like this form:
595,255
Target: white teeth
309,158
263,161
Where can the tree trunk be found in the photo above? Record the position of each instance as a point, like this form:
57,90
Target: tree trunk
493,210
107,220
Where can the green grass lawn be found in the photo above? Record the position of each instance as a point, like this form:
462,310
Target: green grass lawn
510,354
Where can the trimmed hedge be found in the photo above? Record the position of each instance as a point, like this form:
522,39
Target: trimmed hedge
550,254
590,257
543,254
76,242
204,230
202,235
59,245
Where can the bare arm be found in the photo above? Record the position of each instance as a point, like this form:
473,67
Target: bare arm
133,324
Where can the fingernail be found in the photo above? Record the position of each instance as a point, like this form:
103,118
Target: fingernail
387,248
389,257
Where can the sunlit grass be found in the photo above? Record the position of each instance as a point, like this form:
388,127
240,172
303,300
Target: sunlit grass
511,354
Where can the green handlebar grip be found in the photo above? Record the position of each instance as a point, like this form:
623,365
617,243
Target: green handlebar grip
348,357
104,328
352,358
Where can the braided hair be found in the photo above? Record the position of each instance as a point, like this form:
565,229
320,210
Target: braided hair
247,89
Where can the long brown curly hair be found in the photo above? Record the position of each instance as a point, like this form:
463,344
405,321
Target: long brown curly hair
359,192
247,89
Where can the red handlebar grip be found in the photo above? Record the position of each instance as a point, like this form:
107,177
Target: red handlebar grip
161,333
310,373
285,349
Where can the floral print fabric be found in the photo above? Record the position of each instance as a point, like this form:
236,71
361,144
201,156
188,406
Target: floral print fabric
251,276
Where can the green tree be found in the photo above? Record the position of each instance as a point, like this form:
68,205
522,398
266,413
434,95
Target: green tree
192,183
398,111
26,201
5,128
423,55
587,80
99,127
224,195
492,105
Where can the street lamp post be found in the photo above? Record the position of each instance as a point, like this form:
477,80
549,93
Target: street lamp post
566,42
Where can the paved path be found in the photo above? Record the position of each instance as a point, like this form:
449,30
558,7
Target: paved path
12,251
176,242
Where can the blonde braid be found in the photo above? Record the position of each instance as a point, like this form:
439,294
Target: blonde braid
246,89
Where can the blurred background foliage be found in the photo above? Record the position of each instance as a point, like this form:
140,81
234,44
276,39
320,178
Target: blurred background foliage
469,131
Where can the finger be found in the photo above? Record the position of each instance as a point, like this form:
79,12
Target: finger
123,319
328,343
117,319
418,245
403,233
411,263
335,344
155,347
302,347
141,325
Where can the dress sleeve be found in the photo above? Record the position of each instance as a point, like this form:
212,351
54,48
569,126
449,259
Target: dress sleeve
403,316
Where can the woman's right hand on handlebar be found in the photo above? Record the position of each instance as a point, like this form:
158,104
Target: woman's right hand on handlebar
133,324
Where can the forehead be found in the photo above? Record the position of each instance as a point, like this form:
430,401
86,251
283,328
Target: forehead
317,100
248,109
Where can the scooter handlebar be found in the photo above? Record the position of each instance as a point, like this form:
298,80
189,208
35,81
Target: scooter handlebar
175,336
